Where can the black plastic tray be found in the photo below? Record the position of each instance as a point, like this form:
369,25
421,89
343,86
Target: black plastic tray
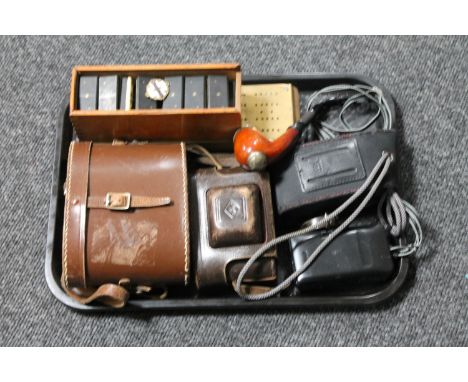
306,83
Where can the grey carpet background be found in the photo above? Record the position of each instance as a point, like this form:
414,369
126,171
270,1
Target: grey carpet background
428,77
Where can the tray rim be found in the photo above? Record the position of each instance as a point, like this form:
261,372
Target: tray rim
287,303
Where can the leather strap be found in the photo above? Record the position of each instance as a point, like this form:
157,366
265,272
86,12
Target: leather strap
74,265
252,289
109,294
135,201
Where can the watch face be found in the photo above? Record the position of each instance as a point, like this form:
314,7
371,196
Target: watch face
157,89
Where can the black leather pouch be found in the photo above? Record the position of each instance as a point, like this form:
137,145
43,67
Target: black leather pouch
319,175
360,255
232,216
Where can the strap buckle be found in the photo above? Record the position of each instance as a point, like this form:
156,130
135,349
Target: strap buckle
118,200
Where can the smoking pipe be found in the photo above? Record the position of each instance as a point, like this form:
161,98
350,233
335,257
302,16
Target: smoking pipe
255,152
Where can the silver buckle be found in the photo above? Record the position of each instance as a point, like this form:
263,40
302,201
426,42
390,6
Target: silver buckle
118,200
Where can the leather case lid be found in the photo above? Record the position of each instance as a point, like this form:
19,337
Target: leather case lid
148,245
235,216
232,219
320,174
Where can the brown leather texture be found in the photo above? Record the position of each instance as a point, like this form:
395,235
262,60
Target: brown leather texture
126,215
232,216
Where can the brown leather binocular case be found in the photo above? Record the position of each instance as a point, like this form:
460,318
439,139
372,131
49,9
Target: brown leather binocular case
126,223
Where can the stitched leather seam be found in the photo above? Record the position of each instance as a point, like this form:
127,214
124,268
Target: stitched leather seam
67,215
186,238
88,154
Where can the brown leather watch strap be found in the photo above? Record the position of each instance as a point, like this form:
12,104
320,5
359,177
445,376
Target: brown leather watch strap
124,201
109,294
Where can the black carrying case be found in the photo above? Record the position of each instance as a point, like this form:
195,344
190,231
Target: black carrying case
319,175
361,295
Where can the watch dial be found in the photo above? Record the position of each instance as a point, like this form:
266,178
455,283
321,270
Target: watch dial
157,89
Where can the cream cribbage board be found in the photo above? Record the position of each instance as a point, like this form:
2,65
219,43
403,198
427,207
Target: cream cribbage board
270,108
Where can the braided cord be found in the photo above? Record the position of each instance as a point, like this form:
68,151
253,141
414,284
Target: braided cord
373,94
382,166
200,150
395,213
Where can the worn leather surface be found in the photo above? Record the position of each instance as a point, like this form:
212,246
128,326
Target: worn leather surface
148,243
232,216
320,174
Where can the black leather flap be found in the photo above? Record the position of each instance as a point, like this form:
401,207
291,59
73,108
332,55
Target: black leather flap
318,175
334,163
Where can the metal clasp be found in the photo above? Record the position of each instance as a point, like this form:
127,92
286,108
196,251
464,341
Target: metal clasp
118,200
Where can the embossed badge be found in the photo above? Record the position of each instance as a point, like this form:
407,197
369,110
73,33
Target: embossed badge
234,215
331,164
